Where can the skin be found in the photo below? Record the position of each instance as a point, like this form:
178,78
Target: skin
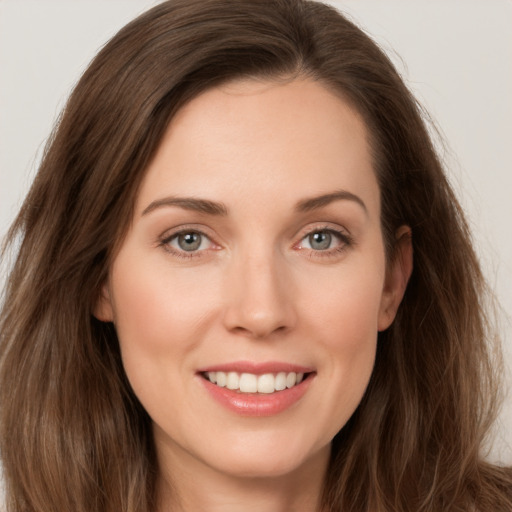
256,289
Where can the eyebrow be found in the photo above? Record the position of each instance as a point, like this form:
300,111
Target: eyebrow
209,207
189,203
314,203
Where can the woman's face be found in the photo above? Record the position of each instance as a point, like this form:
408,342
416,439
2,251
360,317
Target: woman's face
255,256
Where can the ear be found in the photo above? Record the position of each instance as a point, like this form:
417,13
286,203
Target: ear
397,276
103,310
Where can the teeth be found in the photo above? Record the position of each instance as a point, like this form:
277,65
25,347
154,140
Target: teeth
280,381
232,380
251,383
221,379
266,383
248,383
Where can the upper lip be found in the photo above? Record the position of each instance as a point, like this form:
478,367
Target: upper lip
257,368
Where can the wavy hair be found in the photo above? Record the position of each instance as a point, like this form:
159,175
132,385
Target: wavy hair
72,434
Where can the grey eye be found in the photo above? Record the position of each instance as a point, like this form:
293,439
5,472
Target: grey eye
189,241
320,240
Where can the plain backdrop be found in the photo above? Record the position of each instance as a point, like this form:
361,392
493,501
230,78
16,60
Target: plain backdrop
456,56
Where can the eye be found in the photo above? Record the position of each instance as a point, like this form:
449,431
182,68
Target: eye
323,240
319,241
188,241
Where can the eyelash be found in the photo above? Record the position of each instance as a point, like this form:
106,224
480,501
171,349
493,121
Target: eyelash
165,243
345,239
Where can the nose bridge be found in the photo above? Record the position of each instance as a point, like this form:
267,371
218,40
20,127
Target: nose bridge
260,300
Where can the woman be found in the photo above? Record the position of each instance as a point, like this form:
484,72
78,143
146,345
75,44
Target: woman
214,305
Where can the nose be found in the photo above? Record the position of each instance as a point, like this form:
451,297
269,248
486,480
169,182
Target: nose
259,297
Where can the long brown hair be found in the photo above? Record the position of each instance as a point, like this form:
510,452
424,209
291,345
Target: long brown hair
72,434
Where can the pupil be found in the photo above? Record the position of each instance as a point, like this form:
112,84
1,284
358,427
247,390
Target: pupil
189,241
320,240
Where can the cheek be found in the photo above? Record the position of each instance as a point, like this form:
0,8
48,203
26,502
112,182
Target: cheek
161,316
349,335
345,305
154,308
344,319
354,320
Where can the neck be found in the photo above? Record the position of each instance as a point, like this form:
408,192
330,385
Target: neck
192,487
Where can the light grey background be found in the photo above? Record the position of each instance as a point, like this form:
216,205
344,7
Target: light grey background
455,55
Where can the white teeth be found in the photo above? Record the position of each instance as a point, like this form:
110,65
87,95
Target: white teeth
248,383
280,381
221,379
291,379
251,383
232,380
266,383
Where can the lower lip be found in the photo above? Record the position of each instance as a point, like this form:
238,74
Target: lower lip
257,404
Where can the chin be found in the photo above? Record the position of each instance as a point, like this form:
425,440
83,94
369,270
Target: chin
268,461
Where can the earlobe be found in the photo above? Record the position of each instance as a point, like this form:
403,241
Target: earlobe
103,307
397,276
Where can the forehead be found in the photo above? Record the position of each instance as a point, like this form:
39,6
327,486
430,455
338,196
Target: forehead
249,137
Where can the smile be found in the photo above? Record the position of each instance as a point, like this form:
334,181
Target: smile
251,383
252,389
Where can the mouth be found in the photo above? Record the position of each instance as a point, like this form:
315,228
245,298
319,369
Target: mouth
250,383
252,389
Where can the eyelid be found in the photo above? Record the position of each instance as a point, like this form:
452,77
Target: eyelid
346,239
170,234
341,233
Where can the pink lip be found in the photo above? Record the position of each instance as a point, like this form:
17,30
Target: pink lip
257,404
257,368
